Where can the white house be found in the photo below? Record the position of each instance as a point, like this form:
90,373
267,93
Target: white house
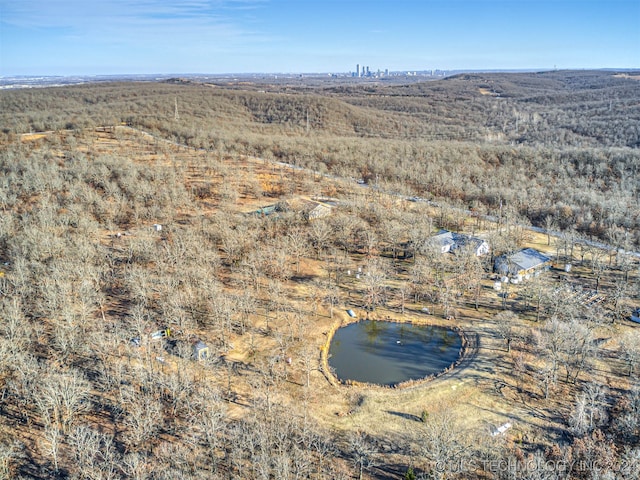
448,241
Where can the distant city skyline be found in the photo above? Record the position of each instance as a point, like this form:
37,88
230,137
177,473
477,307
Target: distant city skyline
86,37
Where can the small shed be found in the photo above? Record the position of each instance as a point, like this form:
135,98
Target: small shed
200,351
319,211
309,208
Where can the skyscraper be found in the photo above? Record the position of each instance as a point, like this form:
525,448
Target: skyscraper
357,69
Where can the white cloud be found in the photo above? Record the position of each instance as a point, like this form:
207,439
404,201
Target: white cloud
192,25
132,35
83,16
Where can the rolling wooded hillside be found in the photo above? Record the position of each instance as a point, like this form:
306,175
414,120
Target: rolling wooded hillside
122,252
555,149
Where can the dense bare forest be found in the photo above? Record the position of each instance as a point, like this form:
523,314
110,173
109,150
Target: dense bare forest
134,229
555,148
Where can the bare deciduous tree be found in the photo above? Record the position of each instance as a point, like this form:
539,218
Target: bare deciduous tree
374,278
62,398
630,350
9,456
589,410
95,453
143,417
52,443
505,321
444,443
362,453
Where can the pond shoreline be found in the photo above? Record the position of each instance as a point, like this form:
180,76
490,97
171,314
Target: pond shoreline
336,382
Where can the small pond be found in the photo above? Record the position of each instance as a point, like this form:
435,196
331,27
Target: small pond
388,353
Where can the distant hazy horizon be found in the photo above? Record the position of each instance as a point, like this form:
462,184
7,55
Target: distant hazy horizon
215,37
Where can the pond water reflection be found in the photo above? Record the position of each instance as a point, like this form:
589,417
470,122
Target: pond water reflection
388,353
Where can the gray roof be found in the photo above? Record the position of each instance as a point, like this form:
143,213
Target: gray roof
455,240
443,238
199,345
528,258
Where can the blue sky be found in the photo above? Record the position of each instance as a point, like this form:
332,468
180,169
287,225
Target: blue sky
74,37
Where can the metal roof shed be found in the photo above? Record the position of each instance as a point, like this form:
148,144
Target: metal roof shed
529,259
522,262
200,350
